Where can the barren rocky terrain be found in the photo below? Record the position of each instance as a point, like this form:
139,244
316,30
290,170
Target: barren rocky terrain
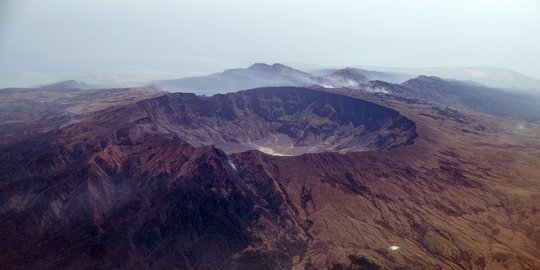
132,187
26,112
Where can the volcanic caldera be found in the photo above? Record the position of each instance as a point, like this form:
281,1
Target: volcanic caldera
278,121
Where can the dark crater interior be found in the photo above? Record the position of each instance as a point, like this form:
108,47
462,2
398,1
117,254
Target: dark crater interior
279,121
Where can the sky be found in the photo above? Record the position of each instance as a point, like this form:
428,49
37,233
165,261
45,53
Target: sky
140,40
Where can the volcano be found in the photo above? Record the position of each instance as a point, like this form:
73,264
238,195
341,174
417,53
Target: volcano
272,178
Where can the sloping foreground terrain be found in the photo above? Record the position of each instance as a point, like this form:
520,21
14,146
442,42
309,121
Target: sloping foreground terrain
26,112
123,189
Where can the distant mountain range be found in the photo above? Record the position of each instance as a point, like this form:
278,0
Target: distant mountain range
261,75
302,75
464,94
257,75
489,76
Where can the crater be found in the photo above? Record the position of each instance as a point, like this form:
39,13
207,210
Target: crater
280,121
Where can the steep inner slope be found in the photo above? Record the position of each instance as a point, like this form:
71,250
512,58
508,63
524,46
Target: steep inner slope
281,120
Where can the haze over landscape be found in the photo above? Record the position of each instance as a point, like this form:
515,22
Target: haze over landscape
135,41
272,135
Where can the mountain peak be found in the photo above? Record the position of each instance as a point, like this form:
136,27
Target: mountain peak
424,79
264,66
69,84
429,78
278,65
350,73
259,66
